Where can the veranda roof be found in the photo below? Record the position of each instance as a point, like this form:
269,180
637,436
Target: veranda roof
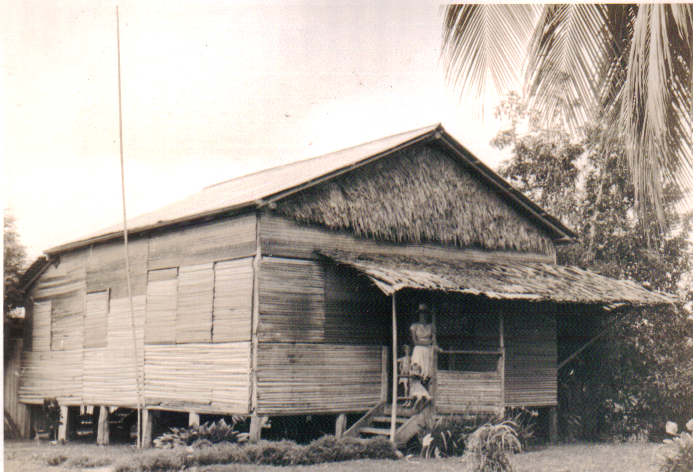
509,280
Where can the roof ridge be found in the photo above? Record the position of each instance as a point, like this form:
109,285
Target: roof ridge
321,156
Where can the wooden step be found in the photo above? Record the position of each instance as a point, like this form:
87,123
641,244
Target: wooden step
380,431
387,419
401,411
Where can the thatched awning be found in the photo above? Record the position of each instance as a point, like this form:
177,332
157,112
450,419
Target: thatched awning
511,280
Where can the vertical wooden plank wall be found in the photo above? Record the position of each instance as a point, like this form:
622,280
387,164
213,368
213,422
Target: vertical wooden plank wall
19,414
54,366
531,358
193,298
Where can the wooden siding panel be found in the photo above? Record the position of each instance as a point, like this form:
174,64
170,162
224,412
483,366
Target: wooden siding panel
16,413
106,268
282,238
317,378
355,311
292,300
209,374
461,392
531,358
219,241
233,300
68,276
162,305
67,322
195,302
96,319
52,374
41,331
109,373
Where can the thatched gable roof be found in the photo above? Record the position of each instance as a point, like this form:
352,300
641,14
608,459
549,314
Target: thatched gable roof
511,280
418,195
267,187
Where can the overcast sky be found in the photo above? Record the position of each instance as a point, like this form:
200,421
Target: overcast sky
211,90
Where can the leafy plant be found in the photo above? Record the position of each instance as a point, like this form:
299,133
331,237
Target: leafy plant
197,436
676,454
488,448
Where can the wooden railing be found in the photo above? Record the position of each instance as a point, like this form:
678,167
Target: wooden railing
467,391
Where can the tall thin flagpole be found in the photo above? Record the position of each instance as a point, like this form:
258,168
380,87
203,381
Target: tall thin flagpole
125,245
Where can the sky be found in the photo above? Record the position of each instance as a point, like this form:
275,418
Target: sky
211,90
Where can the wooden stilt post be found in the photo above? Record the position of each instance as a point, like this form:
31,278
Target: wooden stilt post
103,433
501,361
256,423
340,426
393,419
553,424
383,376
148,419
193,419
62,427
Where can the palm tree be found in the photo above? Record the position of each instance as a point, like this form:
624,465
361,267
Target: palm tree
629,65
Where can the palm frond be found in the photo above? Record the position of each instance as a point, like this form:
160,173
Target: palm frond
566,54
486,43
656,103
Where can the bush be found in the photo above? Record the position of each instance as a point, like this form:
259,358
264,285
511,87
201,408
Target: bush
279,453
677,453
208,433
488,448
448,436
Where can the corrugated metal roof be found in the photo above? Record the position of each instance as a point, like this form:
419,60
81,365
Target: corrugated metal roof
251,188
512,280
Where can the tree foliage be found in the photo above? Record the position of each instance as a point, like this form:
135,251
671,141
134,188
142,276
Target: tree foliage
14,264
640,374
626,66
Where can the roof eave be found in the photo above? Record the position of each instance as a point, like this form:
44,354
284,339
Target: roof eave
229,211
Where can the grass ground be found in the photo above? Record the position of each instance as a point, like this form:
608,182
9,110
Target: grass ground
29,456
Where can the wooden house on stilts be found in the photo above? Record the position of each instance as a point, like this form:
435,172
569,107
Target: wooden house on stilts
291,292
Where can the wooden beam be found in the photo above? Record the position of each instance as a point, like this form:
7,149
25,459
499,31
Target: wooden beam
62,427
553,424
103,433
383,376
340,425
193,419
255,324
148,419
501,361
256,422
393,426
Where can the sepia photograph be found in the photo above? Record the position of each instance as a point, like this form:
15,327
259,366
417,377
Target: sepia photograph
321,235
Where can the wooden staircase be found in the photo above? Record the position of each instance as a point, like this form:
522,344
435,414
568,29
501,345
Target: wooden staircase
378,422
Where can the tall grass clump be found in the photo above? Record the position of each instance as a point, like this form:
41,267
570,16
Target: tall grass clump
448,436
488,449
